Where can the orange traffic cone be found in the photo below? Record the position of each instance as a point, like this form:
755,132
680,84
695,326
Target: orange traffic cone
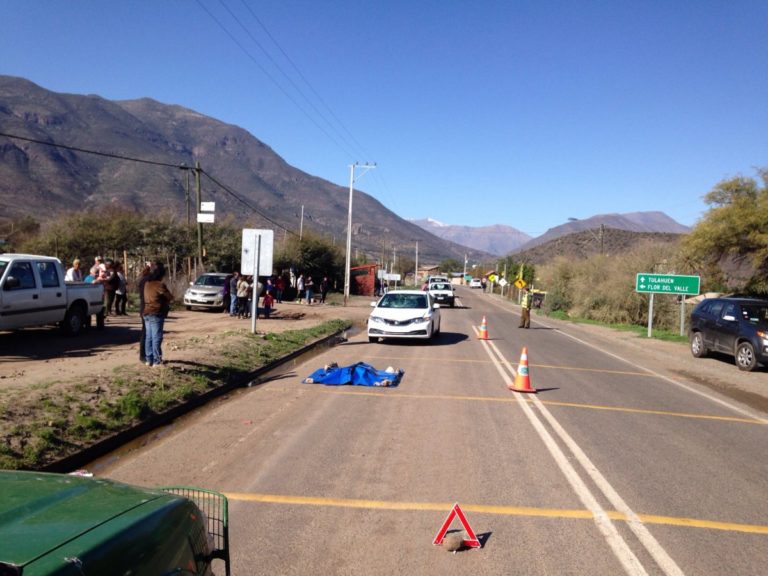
523,380
483,330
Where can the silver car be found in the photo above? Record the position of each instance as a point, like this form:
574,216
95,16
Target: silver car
206,292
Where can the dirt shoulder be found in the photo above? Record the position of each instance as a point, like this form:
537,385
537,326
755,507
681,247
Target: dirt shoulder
39,356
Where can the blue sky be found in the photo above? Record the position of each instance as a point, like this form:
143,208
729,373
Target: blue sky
523,113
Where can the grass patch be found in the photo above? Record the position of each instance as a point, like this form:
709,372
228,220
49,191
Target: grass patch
35,433
656,333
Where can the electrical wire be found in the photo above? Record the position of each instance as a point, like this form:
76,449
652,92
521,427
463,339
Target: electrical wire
182,166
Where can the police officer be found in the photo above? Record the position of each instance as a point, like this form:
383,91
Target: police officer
526,303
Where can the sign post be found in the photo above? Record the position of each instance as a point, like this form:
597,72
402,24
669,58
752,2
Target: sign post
650,283
256,257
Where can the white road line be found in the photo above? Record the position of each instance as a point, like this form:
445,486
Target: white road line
703,394
618,545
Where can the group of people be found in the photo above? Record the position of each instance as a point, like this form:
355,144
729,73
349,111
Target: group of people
111,275
155,299
238,289
305,289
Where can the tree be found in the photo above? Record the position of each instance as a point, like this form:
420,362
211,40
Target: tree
451,265
734,228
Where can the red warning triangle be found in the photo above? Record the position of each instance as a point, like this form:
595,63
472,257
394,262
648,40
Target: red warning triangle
471,539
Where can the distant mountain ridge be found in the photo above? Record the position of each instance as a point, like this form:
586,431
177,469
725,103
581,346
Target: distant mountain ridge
497,239
647,222
501,240
263,190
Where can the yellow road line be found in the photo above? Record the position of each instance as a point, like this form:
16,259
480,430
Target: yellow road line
530,365
495,510
393,394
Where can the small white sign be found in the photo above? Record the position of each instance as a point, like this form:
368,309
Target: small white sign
205,217
392,277
261,242
503,282
207,206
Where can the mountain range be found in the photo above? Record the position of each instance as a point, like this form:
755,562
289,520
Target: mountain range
61,153
500,239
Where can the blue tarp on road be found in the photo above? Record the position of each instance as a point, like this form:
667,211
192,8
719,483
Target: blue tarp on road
360,374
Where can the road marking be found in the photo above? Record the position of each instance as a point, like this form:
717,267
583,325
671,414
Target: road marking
392,393
523,511
618,545
703,394
643,374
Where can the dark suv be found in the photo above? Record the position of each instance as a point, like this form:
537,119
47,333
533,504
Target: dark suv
735,326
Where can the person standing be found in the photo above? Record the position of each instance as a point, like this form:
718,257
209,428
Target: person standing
233,305
140,288
121,292
268,302
157,303
309,287
300,288
526,303
279,287
111,282
324,286
242,297
74,274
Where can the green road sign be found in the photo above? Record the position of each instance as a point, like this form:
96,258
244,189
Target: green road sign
667,284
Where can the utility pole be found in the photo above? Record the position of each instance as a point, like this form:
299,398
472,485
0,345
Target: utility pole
301,226
352,167
416,266
199,224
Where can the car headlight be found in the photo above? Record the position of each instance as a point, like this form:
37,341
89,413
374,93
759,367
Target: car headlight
376,319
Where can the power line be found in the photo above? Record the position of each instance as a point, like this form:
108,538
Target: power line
360,147
272,78
352,142
95,152
182,166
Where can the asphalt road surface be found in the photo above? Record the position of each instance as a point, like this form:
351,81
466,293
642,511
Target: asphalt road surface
609,469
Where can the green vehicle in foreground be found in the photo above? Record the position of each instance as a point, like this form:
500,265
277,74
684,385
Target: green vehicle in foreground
53,524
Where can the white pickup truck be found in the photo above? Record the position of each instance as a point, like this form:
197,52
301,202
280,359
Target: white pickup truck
33,293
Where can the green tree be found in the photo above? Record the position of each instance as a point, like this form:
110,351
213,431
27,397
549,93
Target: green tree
735,228
451,265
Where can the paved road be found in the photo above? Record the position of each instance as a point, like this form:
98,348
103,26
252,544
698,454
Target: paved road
609,469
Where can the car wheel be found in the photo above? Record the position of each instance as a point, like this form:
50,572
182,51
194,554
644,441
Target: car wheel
698,349
745,357
373,339
189,307
74,320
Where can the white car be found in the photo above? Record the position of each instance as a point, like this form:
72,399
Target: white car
442,292
404,314
475,283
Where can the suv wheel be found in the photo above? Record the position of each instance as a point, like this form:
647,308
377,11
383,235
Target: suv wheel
698,349
745,357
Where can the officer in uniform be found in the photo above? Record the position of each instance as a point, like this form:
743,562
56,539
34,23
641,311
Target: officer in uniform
526,303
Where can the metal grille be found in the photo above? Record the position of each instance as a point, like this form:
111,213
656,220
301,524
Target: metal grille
215,506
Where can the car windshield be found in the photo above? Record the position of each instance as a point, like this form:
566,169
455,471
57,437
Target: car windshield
403,301
210,281
439,286
755,314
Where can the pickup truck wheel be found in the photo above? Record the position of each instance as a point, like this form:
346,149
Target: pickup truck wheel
698,349
745,357
74,320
